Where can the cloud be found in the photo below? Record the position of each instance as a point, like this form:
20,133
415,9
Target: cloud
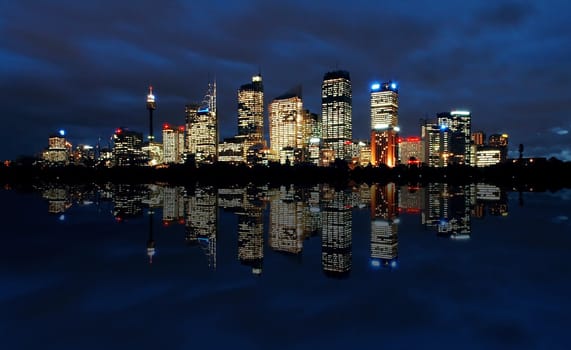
559,131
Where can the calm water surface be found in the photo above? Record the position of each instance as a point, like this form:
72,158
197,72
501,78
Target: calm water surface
125,267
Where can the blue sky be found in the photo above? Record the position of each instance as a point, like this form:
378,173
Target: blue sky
85,66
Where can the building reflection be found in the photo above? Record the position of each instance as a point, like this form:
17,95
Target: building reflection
202,221
336,232
384,226
448,209
285,217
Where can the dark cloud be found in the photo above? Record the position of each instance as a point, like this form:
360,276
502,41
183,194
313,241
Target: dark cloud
86,66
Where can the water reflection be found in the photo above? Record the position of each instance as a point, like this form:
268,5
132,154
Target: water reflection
279,220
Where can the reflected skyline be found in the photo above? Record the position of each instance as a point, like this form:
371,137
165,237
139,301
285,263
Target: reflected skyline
279,220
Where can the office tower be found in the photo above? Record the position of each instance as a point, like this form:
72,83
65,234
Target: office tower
447,139
500,141
336,111
202,128
478,138
231,150
58,151
151,106
384,146
486,156
456,125
251,113
286,120
384,105
410,150
384,225
173,144
127,150
336,233
384,123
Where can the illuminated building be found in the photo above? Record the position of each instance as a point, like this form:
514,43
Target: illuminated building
202,128
314,150
231,150
447,140
410,150
127,150
384,123
364,153
384,105
457,126
336,233
486,156
58,151
173,144
384,226
83,155
151,106
384,146
478,138
286,123
251,113
336,111
153,150
500,141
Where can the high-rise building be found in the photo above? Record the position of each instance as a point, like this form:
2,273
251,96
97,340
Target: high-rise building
58,151
173,144
410,150
202,128
478,138
128,148
336,111
447,140
384,146
384,105
384,123
251,113
286,124
500,141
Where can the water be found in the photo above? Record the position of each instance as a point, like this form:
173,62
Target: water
152,266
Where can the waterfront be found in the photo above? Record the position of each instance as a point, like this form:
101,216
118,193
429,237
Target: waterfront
444,266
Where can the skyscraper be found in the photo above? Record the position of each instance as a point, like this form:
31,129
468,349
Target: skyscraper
173,143
336,111
384,105
286,120
128,149
251,112
202,128
447,140
384,123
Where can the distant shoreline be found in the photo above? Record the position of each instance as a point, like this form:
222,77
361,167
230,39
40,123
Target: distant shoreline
548,174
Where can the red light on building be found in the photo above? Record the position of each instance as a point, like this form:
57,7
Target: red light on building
166,126
118,131
181,221
400,139
347,142
181,128
413,139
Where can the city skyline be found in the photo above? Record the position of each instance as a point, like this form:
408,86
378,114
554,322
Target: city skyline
488,59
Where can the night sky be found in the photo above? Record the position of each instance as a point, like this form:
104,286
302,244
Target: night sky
85,66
